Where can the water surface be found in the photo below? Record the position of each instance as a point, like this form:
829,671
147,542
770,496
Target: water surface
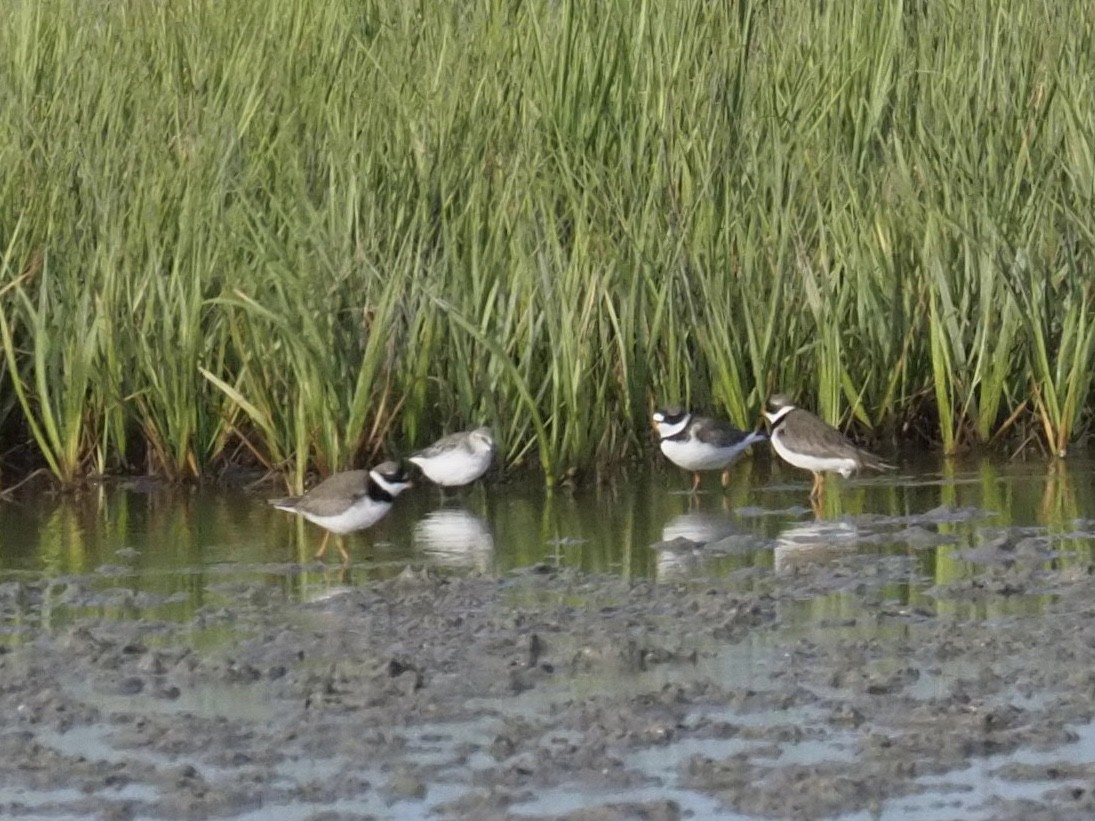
177,551
884,550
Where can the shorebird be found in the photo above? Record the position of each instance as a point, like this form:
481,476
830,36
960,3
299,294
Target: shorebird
457,459
698,443
348,501
805,441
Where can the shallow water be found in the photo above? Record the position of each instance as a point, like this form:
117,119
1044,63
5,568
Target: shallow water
888,558
171,553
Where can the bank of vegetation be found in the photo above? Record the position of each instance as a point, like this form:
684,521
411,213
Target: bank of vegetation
301,232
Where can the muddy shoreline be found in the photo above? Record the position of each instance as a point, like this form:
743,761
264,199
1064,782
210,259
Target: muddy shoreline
551,693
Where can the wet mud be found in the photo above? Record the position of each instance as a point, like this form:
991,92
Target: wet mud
551,693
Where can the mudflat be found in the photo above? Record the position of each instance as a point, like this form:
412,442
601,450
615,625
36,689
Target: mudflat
550,693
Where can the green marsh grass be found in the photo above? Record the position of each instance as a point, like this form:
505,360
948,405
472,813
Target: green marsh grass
307,233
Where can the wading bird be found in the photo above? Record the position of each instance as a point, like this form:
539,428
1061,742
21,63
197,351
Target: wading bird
805,441
348,501
697,443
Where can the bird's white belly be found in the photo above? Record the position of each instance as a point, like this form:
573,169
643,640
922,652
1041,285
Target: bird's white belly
458,467
363,513
693,455
843,465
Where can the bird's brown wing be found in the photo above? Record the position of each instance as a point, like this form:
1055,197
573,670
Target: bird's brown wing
815,437
331,496
819,439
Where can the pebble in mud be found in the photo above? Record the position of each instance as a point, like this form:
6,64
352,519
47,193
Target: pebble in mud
624,811
405,786
473,697
129,686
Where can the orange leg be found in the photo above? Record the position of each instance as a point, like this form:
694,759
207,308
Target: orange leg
819,484
343,552
726,478
695,482
323,544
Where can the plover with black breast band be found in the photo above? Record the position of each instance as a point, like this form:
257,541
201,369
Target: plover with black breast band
698,443
348,501
805,441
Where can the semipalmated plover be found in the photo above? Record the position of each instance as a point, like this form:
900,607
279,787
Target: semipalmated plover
457,459
348,501
698,443
805,441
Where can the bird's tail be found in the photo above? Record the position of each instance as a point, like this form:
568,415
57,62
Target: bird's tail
755,436
872,462
288,503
